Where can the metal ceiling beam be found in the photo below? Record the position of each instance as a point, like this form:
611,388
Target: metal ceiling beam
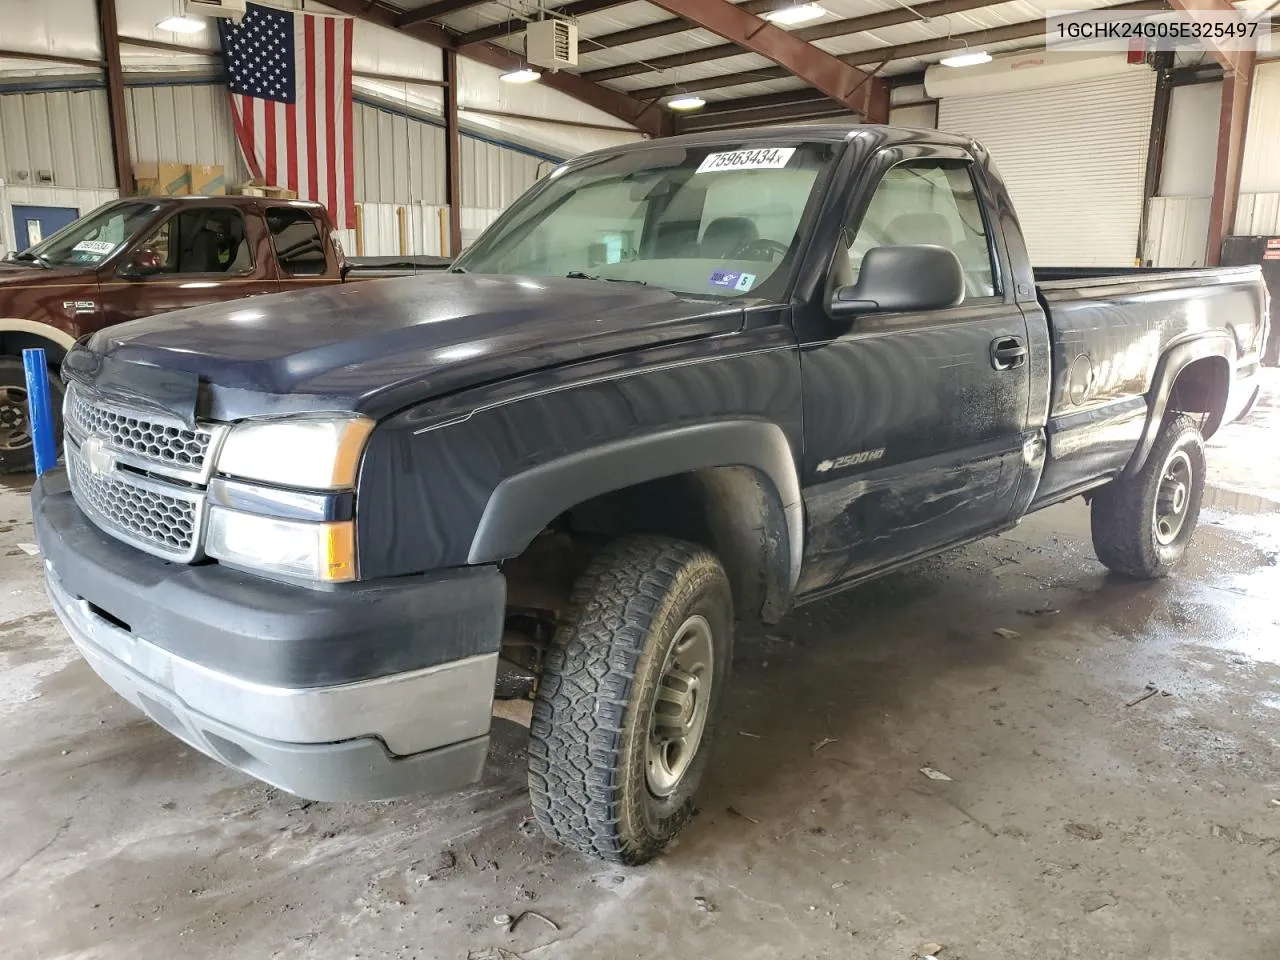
1229,58
441,8
821,31
109,31
858,90
646,117
904,51
1233,116
516,25
664,28
452,151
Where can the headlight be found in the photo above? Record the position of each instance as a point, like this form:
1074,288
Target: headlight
315,551
318,453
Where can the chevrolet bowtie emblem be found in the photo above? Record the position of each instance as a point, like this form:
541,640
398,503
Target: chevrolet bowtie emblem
97,457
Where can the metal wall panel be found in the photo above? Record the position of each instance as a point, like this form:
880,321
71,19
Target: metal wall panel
1177,230
184,124
493,176
62,132
1260,171
397,159
1074,158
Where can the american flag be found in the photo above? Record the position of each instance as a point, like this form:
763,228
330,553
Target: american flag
289,75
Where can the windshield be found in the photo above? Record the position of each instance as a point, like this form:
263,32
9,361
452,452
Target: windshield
708,221
90,240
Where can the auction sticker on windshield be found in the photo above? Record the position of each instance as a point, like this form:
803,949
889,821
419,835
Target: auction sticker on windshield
94,246
770,158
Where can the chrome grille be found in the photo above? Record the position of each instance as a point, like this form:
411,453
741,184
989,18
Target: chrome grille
133,508
138,474
142,434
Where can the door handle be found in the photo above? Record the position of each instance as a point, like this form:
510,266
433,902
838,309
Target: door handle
1008,353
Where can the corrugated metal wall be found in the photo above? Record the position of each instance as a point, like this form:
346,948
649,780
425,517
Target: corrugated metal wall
184,124
493,176
398,160
62,132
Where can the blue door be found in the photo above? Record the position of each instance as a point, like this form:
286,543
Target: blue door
33,224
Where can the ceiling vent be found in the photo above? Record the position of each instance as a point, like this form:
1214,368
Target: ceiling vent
552,43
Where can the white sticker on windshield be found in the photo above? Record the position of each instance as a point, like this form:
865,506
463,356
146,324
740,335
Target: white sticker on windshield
765,158
94,246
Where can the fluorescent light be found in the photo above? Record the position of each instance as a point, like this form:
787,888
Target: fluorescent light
687,101
524,75
794,14
967,59
181,24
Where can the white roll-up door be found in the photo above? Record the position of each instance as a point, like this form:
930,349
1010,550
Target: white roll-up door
1074,157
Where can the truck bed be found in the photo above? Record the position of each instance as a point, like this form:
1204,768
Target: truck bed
1108,328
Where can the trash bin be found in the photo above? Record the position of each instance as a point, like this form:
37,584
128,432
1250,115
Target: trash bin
1243,251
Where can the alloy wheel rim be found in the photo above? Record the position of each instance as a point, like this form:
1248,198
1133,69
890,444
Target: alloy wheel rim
681,707
14,431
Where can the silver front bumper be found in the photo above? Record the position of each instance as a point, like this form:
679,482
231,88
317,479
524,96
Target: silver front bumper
411,732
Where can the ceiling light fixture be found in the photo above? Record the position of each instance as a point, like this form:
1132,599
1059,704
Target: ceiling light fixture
686,101
970,58
181,24
523,75
794,14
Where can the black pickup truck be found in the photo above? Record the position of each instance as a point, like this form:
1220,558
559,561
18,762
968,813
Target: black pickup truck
677,384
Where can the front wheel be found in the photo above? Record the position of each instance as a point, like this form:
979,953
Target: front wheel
1143,523
628,698
17,453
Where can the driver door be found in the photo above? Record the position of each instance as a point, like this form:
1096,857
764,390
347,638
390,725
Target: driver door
913,423
205,254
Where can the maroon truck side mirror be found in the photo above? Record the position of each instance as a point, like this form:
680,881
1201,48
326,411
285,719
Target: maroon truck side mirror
145,262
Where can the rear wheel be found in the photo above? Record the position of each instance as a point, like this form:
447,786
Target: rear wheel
1143,523
628,698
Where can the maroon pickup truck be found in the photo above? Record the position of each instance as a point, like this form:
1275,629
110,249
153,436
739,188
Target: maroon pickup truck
147,255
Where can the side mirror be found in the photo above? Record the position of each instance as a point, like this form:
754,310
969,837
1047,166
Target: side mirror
143,263
900,279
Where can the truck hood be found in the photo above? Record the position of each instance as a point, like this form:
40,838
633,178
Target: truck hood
32,274
377,346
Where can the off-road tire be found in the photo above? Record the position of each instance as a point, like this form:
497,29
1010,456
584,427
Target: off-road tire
592,713
1123,517
12,374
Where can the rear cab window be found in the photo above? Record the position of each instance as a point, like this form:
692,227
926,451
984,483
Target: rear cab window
299,242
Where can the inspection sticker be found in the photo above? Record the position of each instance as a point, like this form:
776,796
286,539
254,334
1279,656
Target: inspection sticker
732,280
94,246
765,158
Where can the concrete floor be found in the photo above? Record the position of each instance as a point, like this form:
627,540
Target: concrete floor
1074,824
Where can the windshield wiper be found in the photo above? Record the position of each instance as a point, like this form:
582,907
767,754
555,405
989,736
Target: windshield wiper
34,257
579,275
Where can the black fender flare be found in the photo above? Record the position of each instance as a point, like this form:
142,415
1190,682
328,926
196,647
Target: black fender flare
1174,360
522,505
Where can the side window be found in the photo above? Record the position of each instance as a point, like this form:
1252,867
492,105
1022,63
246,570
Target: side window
929,201
204,240
299,246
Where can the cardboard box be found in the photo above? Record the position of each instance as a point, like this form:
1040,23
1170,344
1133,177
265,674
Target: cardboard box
162,179
207,179
280,193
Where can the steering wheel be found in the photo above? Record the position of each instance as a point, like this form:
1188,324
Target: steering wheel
762,249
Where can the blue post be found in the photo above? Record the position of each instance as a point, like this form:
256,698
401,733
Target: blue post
40,410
